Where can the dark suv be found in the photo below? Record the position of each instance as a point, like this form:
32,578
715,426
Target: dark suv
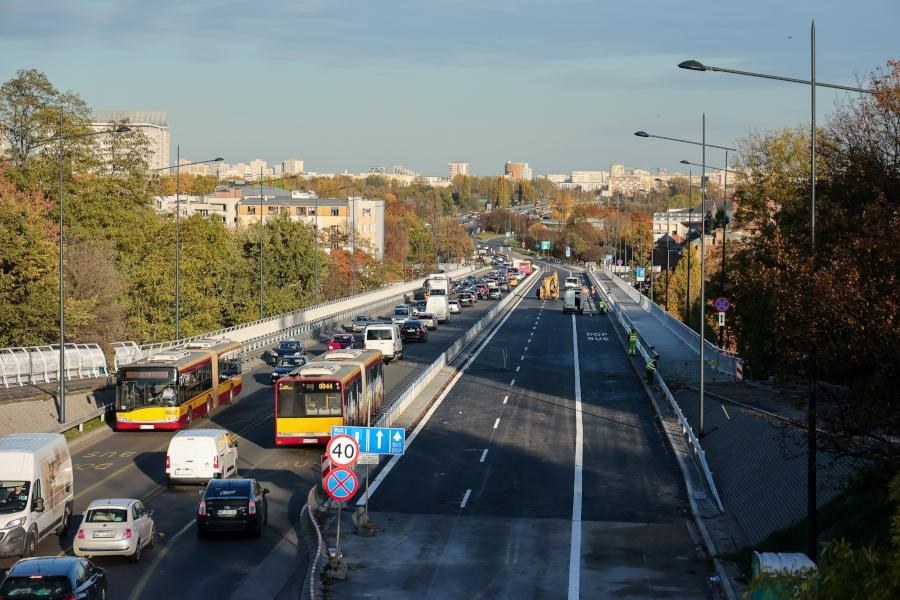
286,348
54,578
232,505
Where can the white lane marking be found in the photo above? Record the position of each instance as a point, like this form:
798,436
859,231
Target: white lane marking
575,547
497,422
505,398
517,368
521,358
158,556
526,347
409,439
465,499
483,455
513,382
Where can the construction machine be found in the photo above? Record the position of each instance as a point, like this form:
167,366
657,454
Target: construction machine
549,287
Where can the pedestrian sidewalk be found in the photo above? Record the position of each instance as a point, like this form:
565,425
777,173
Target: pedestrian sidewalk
752,435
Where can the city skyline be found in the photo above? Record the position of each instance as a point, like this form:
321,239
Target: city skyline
562,87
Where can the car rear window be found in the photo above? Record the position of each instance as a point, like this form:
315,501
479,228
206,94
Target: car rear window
379,334
106,515
228,489
36,586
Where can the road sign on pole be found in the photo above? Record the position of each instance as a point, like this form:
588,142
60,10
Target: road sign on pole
721,319
722,304
340,484
375,440
342,451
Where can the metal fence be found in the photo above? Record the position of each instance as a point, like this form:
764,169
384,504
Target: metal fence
29,365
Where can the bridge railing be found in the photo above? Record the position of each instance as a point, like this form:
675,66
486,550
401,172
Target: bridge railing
29,365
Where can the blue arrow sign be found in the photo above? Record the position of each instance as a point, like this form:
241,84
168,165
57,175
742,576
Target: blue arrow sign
375,440
341,484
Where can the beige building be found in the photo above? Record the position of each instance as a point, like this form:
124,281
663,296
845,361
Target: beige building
457,168
154,126
518,171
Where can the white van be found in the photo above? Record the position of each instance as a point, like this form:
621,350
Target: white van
198,455
384,337
572,302
572,283
439,306
36,490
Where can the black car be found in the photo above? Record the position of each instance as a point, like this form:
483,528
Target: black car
287,348
286,364
232,505
413,330
54,578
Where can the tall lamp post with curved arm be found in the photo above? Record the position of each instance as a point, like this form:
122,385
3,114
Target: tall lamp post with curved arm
61,138
177,166
693,65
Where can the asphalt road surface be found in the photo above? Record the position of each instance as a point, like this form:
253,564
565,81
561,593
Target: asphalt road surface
131,464
541,477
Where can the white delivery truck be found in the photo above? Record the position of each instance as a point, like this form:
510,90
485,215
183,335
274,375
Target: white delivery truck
438,287
36,490
572,302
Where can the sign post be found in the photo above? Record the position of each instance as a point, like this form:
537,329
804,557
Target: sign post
722,304
340,483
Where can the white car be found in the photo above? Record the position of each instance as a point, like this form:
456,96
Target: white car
454,306
115,527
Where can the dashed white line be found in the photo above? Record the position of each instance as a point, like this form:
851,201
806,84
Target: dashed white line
513,382
497,423
505,398
483,455
519,367
465,499
526,347
521,358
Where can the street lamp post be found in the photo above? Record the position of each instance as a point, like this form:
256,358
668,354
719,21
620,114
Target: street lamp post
62,291
693,65
177,166
262,310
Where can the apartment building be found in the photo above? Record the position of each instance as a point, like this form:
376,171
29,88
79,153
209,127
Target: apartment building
457,168
153,124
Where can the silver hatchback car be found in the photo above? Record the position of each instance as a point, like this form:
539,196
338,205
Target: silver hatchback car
115,527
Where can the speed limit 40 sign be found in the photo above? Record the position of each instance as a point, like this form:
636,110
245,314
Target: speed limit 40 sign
342,451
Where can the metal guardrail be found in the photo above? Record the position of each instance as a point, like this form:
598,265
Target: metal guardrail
27,365
723,361
686,428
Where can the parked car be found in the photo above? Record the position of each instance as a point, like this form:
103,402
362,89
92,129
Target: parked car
339,341
413,330
428,320
360,321
232,505
454,306
54,577
286,364
115,527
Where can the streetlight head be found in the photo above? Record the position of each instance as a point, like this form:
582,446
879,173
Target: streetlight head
641,134
685,162
218,159
122,129
692,65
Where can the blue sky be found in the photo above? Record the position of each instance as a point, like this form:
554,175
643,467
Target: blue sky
349,84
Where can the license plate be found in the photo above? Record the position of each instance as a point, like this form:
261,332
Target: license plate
227,513
147,426
184,471
104,534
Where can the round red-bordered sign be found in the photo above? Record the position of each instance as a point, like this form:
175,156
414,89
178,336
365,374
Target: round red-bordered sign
342,451
340,484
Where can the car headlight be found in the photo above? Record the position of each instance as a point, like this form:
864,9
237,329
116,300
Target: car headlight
15,523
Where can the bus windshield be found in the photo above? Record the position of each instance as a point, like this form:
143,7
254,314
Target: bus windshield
146,387
296,399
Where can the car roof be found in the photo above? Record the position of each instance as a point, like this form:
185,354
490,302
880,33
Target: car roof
201,433
228,483
44,565
111,503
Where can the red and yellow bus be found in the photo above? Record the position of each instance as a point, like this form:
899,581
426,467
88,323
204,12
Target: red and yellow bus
169,388
341,387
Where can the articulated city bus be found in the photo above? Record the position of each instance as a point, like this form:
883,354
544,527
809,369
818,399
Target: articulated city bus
341,387
168,389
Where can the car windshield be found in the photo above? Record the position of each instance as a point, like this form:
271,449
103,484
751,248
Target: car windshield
13,496
228,489
289,361
36,586
106,515
284,347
